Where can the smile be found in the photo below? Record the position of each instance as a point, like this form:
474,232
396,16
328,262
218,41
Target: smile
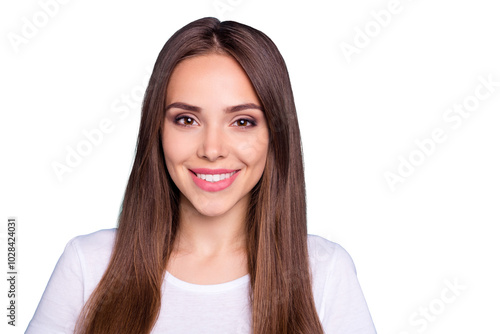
213,179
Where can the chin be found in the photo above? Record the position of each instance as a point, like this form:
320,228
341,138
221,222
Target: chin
212,210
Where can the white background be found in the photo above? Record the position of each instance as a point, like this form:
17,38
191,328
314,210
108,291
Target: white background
356,119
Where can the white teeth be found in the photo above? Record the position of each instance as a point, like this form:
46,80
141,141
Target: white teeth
215,177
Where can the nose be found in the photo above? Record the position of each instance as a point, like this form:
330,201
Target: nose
214,144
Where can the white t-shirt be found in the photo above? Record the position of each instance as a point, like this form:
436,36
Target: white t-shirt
193,308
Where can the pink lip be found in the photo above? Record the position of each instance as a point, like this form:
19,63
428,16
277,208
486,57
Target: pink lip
213,186
212,171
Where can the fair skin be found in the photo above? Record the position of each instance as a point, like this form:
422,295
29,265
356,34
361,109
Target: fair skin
213,121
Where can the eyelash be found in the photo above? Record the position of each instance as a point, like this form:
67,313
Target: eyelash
184,117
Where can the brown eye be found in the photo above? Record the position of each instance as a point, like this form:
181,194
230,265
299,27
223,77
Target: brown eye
244,123
185,120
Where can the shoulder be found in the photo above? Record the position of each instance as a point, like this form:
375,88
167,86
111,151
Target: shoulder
326,255
92,252
77,273
338,296
95,241
332,268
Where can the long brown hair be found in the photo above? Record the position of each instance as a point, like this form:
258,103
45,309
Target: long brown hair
128,297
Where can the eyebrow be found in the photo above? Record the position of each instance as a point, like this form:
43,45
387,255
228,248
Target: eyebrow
239,107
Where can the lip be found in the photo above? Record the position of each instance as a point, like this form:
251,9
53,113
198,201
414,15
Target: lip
213,186
212,171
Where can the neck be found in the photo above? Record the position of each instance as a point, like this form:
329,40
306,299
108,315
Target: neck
207,236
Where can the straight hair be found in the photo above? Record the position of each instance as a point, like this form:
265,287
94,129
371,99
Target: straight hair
128,297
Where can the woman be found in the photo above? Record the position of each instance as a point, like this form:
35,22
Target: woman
212,235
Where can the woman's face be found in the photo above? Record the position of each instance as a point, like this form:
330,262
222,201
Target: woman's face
215,136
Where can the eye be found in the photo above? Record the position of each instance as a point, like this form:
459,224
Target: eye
244,123
185,121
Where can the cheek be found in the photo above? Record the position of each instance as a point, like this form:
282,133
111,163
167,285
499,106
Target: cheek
253,151
176,150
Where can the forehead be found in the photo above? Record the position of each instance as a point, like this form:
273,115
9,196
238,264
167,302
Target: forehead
210,78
